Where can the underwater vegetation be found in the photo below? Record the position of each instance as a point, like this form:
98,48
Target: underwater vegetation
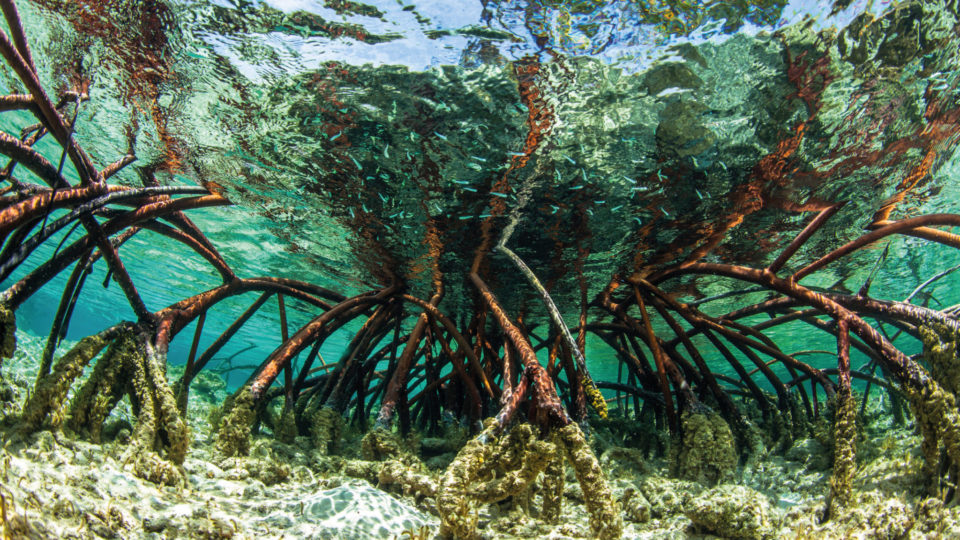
451,401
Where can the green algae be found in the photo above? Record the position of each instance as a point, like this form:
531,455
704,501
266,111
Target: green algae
844,452
51,390
707,452
233,423
8,332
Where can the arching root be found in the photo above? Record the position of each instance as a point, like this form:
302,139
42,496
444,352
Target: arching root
134,367
51,390
490,469
606,520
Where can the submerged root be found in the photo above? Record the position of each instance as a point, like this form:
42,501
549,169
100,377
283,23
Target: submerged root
939,423
410,481
103,389
286,429
522,458
707,452
326,425
8,332
379,445
51,389
605,518
844,452
233,431
490,469
552,489
457,515
132,366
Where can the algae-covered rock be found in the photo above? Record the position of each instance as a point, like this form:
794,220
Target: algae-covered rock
668,497
734,512
707,452
873,514
636,507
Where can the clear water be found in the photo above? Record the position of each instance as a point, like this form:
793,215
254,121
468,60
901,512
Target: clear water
614,136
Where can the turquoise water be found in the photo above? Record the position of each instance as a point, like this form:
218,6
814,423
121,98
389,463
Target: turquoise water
616,136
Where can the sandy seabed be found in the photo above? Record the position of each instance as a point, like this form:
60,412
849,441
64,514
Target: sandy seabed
56,486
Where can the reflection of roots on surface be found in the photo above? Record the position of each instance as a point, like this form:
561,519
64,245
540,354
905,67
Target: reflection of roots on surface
490,469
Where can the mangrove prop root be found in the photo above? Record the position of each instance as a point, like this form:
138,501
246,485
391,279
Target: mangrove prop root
285,430
102,390
552,488
133,366
938,421
51,389
8,332
606,520
844,452
589,387
173,436
326,425
458,518
524,457
490,469
410,481
233,432
935,405
708,453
